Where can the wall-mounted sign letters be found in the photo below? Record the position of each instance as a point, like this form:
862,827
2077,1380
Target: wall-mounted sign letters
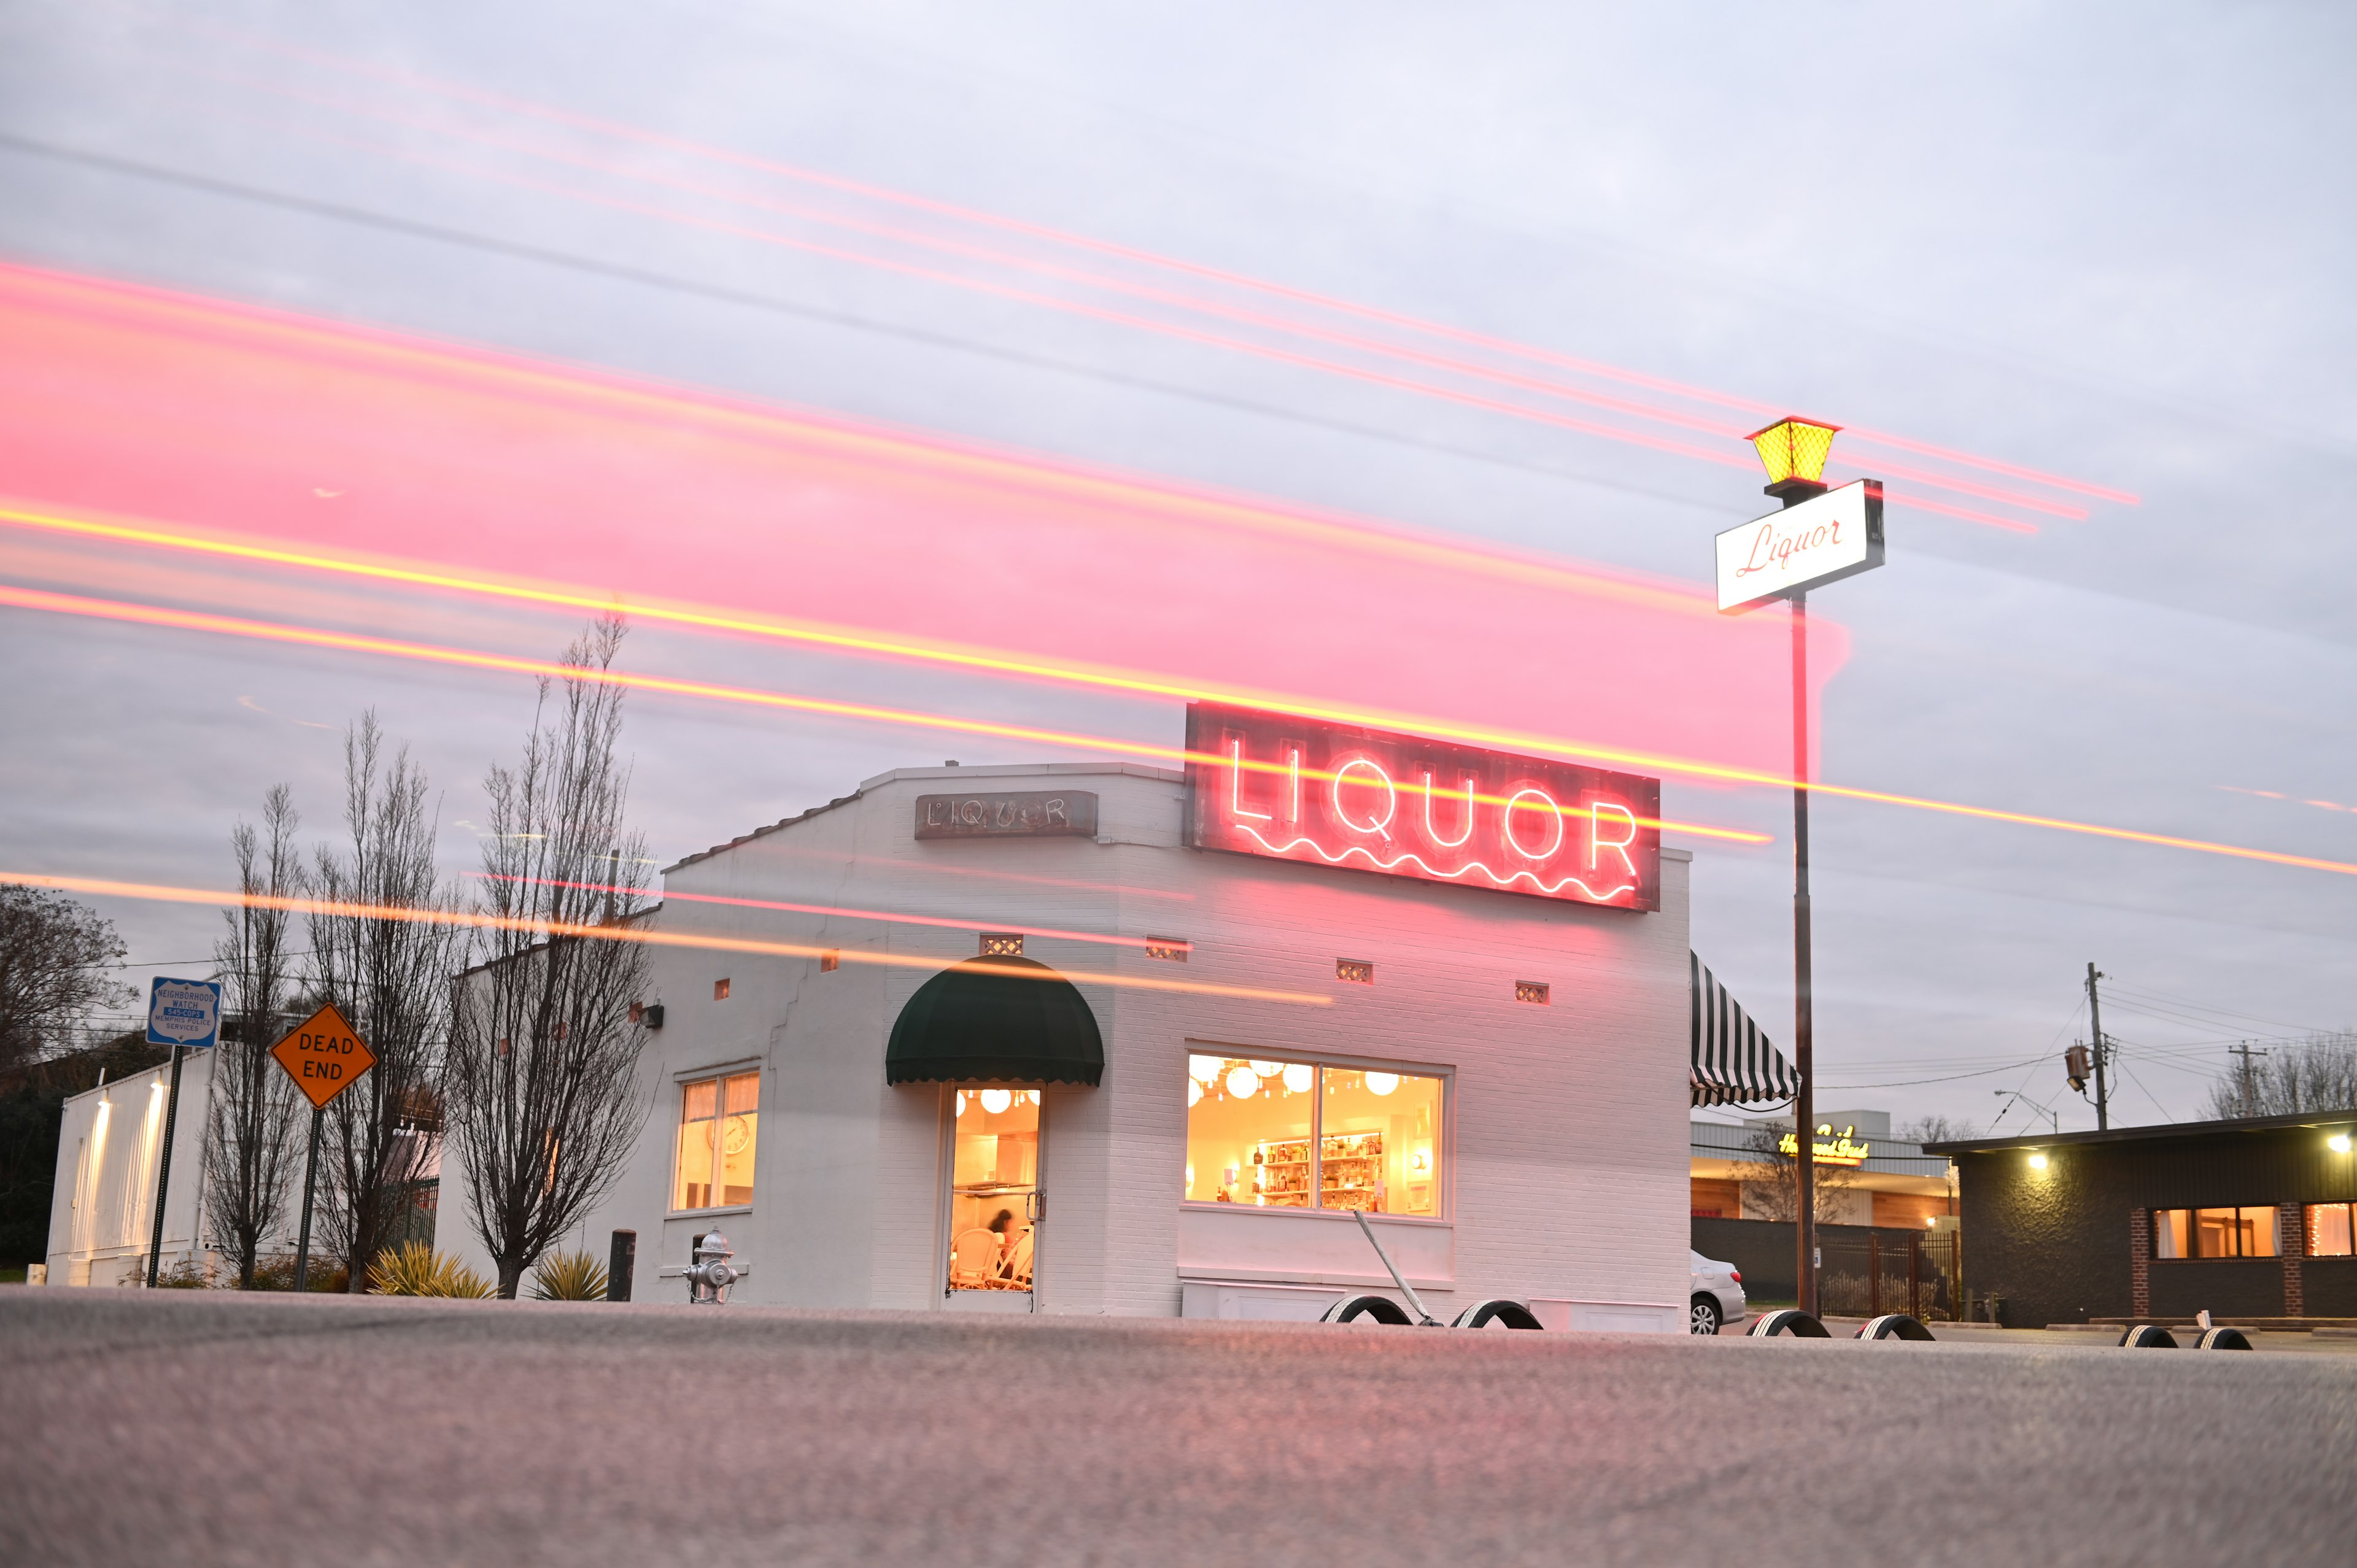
1298,789
1828,1148
1040,814
1837,535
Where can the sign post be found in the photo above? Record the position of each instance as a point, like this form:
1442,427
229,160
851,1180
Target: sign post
186,1015
1822,536
325,1056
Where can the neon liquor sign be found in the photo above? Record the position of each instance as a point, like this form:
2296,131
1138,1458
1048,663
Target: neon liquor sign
1298,789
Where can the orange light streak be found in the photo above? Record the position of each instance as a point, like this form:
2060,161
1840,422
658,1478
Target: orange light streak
710,153
668,894
222,899
105,609
781,630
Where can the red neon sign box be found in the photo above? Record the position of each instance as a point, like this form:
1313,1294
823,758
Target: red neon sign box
1296,788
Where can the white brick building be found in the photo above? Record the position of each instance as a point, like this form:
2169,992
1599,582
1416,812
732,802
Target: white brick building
1531,1148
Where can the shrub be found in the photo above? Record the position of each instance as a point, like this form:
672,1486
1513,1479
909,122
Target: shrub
568,1276
186,1274
417,1269
278,1273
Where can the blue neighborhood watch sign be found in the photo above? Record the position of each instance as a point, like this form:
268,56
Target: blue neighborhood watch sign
184,1013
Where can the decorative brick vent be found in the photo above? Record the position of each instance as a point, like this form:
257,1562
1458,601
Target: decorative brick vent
1170,950
1002,944
1534,991
1358,972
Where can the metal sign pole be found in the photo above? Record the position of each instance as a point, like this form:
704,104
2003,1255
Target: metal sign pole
1804,1101
164,1168
311,1186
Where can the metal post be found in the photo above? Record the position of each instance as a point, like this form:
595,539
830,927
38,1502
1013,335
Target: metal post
1874,1274
620,1264
2095,1024
1804,1102
310,1187
164,1168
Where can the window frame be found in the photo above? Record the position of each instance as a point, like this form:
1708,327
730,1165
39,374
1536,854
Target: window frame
2308,1228
1444,1134
718,1077
2193,1213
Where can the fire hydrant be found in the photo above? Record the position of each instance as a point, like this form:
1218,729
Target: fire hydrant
709,1275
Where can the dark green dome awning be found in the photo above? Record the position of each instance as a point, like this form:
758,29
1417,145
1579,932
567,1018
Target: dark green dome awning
995,1020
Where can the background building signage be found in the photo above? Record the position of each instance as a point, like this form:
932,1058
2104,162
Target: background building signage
1298,789
1838,535
1829,1148
1058,814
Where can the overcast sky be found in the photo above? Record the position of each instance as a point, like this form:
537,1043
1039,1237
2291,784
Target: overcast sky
2112,243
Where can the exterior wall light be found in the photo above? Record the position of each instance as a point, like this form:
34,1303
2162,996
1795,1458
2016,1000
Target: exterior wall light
2338,1142
2038,1161
1793,452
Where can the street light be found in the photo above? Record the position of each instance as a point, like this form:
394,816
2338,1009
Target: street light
1821,536
1793,452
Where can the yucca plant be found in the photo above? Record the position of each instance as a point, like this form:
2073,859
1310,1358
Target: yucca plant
417,1269
568,1276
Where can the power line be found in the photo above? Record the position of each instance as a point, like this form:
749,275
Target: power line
440,234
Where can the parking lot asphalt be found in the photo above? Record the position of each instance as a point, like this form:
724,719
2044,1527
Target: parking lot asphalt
204,1428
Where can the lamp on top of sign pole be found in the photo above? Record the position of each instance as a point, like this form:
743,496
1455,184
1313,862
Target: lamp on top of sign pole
1822,536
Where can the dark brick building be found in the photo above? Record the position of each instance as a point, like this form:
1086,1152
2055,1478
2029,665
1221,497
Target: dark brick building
2248,1219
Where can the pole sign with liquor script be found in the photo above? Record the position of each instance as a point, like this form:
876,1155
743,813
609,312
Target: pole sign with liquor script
1837,535
1299,789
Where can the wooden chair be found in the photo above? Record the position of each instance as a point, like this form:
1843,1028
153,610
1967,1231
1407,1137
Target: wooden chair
1015,1273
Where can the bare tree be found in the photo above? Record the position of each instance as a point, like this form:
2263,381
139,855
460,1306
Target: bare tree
54,959
1934,1130
544,1101
250,1126
2319,1073
1772,1184
388,970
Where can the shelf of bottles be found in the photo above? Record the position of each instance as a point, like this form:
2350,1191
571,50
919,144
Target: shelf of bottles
1350,1167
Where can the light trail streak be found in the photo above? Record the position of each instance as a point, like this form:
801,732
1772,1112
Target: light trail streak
1072,675
1545,388
105,609
1197,336
888,448
476,919
1074,241
841,911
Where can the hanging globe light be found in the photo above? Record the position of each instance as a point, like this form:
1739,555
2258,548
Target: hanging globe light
995,1101
1266,1069
1243,1083
1298,1077
1194,1094
1203,1069
1382,1083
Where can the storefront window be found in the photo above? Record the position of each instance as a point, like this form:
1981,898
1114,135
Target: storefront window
719,1125
2214,1232
2329,1230
1295,1135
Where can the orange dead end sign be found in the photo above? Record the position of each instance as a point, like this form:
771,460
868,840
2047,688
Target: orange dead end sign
324,1056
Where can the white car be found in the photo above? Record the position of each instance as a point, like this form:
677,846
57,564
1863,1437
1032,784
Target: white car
1717,1296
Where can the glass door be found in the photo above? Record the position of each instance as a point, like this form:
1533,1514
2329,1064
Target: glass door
994,1199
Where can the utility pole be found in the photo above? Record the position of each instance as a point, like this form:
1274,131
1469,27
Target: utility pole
2095,1024
2249,1095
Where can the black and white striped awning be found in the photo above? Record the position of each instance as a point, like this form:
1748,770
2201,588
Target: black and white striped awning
1732,1063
